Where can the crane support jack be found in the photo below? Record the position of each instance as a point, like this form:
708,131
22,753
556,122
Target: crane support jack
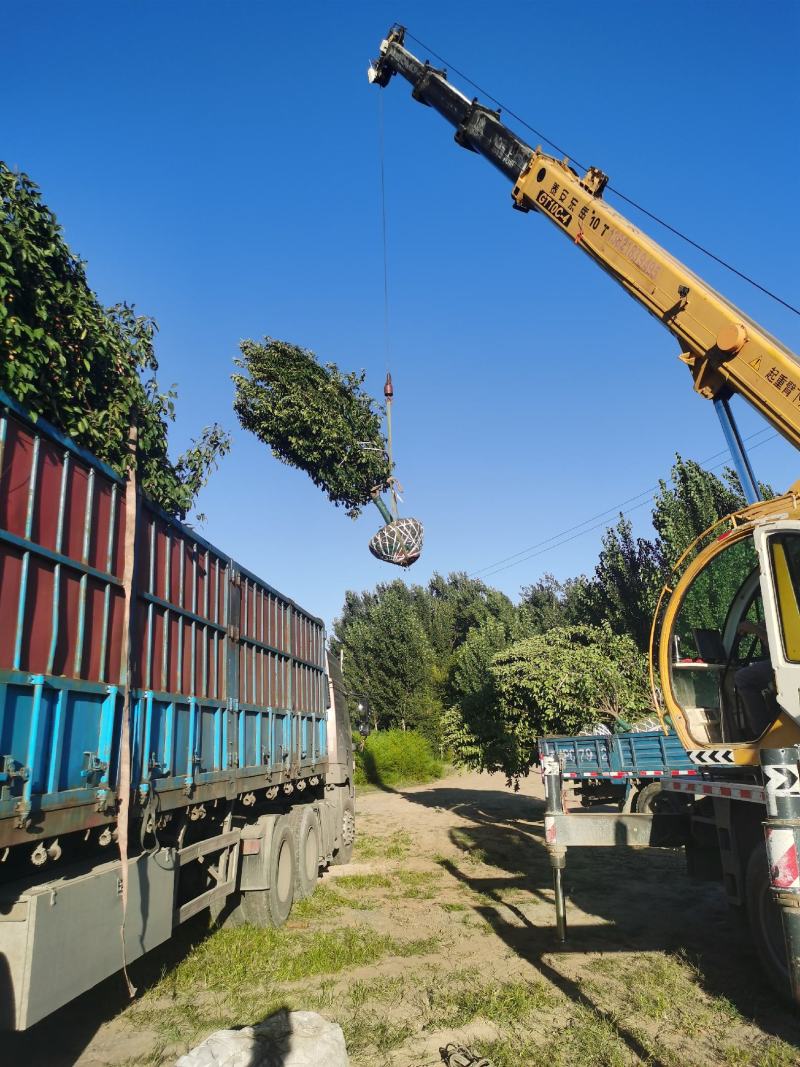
671,827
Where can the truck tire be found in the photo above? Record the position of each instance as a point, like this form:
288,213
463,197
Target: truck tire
648,799
347,834
764,920
271,907
307,841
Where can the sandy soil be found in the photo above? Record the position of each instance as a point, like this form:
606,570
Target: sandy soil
490,913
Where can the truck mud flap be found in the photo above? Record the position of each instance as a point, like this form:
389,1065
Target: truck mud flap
60,939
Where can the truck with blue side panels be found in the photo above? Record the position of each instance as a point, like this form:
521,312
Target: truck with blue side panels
173,735
626,769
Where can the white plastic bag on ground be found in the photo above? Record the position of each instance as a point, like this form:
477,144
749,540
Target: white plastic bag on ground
285,1039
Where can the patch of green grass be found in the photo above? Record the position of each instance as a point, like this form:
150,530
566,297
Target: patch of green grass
417,884
769,1052
326,902
448,906
469,850
361,882
459,998
251,958
154,1057
394,847
588,1039
665,989
384,990
370,1029
184,1018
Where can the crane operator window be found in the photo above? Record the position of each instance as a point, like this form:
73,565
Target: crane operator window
785,558
717,637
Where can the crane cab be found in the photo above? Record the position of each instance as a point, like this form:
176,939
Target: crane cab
727,638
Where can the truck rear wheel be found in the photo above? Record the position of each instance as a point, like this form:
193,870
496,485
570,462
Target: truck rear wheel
764,919
271,907
347,834
653,798
308,850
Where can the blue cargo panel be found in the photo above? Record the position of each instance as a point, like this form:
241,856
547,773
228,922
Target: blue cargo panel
228,686
280,666
650,753
61,614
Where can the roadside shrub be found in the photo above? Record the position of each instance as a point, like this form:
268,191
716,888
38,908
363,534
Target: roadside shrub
397,757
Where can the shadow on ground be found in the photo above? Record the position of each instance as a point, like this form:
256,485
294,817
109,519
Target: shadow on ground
642,898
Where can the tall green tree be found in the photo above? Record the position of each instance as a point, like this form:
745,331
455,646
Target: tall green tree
629,574
88,369
549,602
631,571
693,500
468,602
387,658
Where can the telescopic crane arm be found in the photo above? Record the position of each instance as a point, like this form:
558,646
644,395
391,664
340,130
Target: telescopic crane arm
726,352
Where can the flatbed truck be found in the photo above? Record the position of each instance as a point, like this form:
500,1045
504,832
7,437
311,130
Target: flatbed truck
625,768
173,735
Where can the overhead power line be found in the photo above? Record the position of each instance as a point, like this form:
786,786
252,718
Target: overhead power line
622,196
589,525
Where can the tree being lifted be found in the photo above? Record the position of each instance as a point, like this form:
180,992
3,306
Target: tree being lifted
321,421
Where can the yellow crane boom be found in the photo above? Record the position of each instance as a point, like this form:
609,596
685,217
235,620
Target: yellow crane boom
724,349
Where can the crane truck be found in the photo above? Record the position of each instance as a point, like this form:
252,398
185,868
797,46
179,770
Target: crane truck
173,735
725,640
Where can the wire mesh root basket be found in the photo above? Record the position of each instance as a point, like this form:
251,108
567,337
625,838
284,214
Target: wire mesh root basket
399,542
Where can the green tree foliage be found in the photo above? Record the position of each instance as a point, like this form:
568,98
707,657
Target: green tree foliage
631,571
627,580
710,595
692,501
552,683
550,603
388,658
314,418
445,612
569,653
89,370
684,509
471,732
466,602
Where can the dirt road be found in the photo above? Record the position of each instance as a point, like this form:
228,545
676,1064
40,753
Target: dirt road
442,929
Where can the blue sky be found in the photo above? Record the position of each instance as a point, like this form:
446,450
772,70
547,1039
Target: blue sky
217,164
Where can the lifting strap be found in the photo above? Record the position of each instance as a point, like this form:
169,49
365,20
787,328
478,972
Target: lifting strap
129,592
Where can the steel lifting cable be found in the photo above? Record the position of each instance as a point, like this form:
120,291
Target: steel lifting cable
381,151
388,391
613,189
